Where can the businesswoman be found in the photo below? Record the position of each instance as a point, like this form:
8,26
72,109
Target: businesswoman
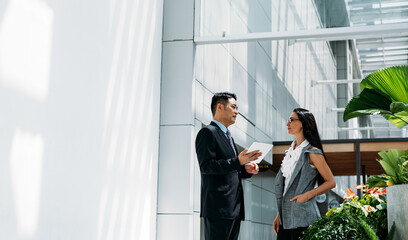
303,166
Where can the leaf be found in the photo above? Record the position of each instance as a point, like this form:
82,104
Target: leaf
377,181
388,161
369,231
390,235
392,81
399,119
399,115
368,102
392,156
388,168
384,92
397,107
392,162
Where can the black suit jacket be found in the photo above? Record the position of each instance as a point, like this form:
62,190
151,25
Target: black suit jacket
221,189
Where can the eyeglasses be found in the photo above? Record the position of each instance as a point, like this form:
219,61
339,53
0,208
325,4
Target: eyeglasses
292,119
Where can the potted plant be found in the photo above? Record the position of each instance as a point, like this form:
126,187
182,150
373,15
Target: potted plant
395,165
385,92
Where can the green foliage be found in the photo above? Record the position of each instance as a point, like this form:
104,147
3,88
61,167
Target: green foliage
384,92
370,232
364,218
395,165
377,181
338,226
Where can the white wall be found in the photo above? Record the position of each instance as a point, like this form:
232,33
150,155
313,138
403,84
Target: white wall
79,125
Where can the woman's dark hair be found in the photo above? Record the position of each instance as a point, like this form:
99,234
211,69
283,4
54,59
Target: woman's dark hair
310,132
221,97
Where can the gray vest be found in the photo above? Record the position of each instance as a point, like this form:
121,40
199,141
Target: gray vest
293,214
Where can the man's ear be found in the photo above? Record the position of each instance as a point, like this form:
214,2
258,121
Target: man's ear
220,106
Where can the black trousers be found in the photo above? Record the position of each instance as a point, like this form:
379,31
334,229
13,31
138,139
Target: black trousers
221,229
290,234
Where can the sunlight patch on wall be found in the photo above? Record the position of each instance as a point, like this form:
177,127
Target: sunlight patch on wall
127,208
25,47
26,161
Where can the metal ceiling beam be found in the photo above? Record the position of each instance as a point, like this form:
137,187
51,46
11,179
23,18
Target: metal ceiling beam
327,34
373,67
379,44
397,48
365,128
355,3
374,13
339,81
403,61
382,59
383,40
387,53
356,58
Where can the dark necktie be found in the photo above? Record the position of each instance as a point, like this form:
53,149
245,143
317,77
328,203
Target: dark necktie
230,141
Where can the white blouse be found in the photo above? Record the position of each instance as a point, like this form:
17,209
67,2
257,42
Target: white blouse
290,160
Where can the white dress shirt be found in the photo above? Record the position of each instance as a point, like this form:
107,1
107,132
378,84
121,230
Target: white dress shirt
290,160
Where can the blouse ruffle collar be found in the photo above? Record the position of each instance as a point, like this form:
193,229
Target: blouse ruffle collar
291,158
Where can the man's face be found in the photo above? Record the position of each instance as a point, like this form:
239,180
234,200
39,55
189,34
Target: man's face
229,112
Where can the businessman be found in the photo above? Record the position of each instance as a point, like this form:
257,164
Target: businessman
222,167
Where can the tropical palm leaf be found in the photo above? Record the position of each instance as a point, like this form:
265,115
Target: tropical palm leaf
392,81
384,92
368,102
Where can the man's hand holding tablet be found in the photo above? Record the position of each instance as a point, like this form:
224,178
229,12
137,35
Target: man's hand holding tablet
263,148
244,157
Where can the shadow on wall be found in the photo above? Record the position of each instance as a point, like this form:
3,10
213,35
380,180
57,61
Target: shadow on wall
79,100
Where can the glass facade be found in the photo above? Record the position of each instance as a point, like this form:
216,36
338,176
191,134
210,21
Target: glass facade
300,63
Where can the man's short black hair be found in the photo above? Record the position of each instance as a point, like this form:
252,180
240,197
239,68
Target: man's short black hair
222,98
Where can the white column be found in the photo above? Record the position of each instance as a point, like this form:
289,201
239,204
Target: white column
175,217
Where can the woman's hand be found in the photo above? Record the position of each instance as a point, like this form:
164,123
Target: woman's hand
301,198
276,224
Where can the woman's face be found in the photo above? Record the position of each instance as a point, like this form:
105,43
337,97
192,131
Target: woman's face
294,124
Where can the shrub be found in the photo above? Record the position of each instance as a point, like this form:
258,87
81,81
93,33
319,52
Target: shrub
364,218
395,165
338,226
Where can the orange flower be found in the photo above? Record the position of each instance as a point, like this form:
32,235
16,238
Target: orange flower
389,184
350,194
360,186
370,190
381,191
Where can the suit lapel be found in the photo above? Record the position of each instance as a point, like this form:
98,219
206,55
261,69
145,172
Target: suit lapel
299,166
235,147
224,138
